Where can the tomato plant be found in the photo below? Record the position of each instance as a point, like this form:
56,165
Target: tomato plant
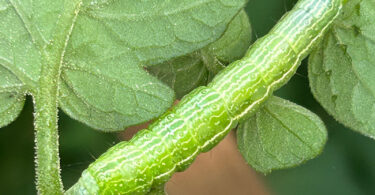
114,64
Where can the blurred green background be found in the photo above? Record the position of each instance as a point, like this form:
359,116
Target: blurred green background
346,167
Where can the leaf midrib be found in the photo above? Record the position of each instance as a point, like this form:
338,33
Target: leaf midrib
288,129
41,43
46,102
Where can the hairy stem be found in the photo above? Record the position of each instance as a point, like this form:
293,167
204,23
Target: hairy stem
46,104
46,136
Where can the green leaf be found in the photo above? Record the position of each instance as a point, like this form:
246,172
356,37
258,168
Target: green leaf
182,74
187,72
103,83
231,46
280,135
11,102
342,68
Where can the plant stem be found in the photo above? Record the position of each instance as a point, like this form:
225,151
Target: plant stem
46,104
46,136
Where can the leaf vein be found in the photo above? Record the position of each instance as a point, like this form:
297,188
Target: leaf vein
288,129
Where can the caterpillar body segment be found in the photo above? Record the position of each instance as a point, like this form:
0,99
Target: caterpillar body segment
197,124
273,59
306,23
206,115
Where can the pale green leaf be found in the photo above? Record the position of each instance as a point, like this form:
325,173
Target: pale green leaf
11,97
342,68
187,72
280,135
103,83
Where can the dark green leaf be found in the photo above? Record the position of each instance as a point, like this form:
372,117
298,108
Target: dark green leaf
182,74
342,68
280,135
187,72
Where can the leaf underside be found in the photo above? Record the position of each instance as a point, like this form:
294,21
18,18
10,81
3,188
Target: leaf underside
195,69
103,83
280,135
342,68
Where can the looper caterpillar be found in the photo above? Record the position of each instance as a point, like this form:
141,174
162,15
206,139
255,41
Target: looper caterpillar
206,115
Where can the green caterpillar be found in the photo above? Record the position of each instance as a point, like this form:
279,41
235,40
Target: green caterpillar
207,114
